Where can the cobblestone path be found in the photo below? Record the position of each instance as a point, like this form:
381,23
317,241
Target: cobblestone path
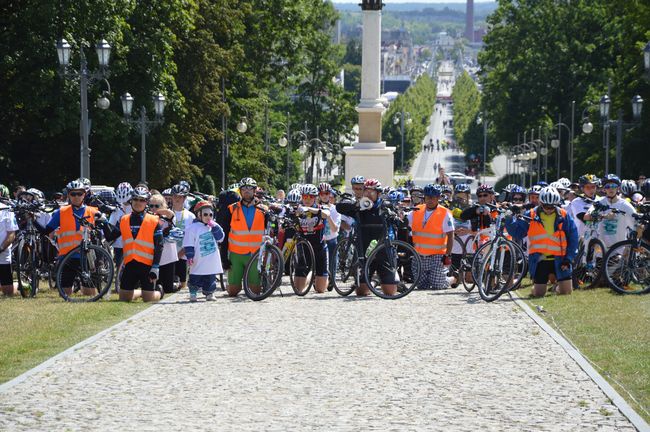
431,361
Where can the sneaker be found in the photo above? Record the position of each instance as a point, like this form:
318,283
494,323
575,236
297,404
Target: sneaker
160,289
192,297
210,297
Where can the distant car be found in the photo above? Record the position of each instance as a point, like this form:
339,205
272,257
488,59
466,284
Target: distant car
457,177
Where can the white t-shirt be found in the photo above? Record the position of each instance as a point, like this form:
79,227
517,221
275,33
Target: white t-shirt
183,219
7,224
115,221
170,249
615,230
576,207
336,219
207,260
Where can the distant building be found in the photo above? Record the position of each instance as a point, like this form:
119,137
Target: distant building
469,21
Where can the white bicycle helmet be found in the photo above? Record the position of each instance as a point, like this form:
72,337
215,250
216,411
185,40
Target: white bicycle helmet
549,195
75,185
358,180
86,183
123,192
565,182
248,182
141,192
628,187
535,190
309,189
35,193
559,186
293,197
180,189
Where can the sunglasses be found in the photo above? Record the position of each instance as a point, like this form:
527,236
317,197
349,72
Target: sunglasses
247,188
483,195
517,200
139,200
548,207
76,194
155,206
307,196
207,214
610,186
323,193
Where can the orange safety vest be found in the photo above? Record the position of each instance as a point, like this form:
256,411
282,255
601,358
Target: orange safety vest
68,237
242,240
141,248
428,237
539,241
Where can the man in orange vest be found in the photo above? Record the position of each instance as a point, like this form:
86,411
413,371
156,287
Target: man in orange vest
552,241
142,238
432,229
69,233
244,226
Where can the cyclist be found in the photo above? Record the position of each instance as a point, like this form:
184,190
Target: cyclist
370,228
244,225
182,218
463,229
533,197
628,188
8,230
416,195
325,198
312,223
580,206
552,242
142,237
69,235
614,227
479,215
517,195
432,228
357,190
123,193
201,248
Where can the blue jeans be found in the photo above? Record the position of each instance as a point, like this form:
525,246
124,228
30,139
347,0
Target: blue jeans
332,258
206,283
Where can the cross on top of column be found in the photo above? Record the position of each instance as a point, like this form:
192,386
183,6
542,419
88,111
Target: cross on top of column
371,5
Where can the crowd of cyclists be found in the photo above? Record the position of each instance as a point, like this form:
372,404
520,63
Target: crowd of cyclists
144,243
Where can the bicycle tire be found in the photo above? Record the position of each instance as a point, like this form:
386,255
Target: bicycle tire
346,272
271,275
412,256
623,264
23,269
453,270
588,273
95,259
34,278
493,282
520,266
302,258
466,264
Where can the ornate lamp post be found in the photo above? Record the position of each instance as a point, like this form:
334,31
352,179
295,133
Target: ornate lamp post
143,124
85,77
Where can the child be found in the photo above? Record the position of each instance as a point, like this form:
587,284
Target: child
202,251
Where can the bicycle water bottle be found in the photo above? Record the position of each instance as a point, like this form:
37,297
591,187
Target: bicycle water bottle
391,233
373,245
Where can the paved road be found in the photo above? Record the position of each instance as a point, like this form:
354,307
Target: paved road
440,360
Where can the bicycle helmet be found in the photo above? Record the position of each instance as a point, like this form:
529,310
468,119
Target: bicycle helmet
4,191
557,185
628,187
295,186
588,179
293,197
324,187
535,190
550,196
415,189
484,189
432,190
123,192
200,205
180,189
358,180
141,192
446,188
645,187
565,182
611,178
395,196
233,187
75,185
35,193
309,189
248,182
372,183
167,192
85,182
509,187
462,188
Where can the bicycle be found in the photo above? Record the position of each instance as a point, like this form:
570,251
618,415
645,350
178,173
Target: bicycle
268,262
500,263
89,267
627,263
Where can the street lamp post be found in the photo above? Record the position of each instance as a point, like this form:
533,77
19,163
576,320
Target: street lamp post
86,78
556,143
402,117
143,124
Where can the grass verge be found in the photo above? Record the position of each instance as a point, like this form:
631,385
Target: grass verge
611,330
37,329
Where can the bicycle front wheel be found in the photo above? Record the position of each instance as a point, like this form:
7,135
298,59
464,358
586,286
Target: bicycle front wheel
26,269
627,268
302,267
384,266
346,273
589,265
85,274
496,271
269,265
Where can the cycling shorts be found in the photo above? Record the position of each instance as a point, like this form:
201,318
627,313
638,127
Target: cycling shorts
6,277
543,270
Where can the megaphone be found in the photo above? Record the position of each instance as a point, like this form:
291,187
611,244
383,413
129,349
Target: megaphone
365,203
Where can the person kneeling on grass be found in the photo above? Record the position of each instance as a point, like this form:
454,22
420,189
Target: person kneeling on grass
202,251
552,242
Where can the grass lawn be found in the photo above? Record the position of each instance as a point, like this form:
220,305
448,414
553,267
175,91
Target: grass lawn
37,329
611,330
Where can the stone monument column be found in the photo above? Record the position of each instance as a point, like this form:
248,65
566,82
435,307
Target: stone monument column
369,156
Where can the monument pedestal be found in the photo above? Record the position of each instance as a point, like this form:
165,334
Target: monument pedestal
374,162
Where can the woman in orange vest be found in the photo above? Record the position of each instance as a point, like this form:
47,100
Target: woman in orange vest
432,229
142,238
69,232
552,241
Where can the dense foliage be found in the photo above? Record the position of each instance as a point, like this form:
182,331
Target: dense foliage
417,102
273,55
542,54
468,120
